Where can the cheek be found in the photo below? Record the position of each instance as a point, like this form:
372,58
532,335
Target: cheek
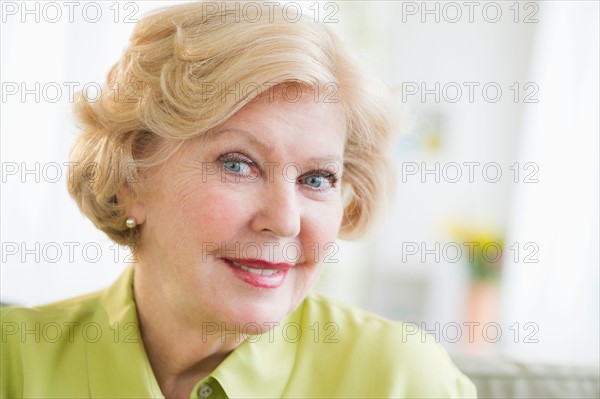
323,227
212,215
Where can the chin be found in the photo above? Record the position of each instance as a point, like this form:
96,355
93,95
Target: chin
252,319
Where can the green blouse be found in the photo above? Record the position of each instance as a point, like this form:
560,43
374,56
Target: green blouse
90,346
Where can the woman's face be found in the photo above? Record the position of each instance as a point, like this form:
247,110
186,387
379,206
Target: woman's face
237,224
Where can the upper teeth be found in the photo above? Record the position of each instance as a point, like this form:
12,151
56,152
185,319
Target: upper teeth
264,272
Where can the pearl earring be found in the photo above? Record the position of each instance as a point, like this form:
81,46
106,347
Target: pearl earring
131,223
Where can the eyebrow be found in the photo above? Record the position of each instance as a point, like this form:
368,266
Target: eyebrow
249,136
267,147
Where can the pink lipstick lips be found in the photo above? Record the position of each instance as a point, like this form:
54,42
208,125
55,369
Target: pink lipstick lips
258,272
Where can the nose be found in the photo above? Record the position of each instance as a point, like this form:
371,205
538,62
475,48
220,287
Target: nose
278,211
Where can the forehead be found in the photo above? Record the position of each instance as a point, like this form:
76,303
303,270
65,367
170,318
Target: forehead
302,117
296,106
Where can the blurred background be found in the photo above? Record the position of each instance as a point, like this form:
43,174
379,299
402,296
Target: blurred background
491,242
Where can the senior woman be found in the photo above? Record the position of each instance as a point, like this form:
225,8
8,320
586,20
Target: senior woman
233,152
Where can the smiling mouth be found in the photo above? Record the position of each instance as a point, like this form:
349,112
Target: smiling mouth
258,273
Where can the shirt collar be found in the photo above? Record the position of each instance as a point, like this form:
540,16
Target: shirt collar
117,361
261,367
118,364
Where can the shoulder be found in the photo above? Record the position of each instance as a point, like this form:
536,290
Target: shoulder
359,325
324,307
398,355
34,328
35,340
73,309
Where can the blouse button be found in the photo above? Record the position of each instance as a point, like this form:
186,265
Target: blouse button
205,391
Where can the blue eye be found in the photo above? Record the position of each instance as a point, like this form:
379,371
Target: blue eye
233,166
314,181
320,180
237,163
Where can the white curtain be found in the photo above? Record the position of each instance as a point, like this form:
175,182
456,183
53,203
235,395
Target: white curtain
555,221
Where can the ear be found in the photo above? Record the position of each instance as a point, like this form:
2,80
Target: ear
132,203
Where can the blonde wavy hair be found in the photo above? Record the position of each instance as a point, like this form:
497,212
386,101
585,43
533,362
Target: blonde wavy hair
187,69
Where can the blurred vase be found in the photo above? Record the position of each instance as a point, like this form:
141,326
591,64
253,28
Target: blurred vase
483,311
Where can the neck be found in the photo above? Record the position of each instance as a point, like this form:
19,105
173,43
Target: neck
179,352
